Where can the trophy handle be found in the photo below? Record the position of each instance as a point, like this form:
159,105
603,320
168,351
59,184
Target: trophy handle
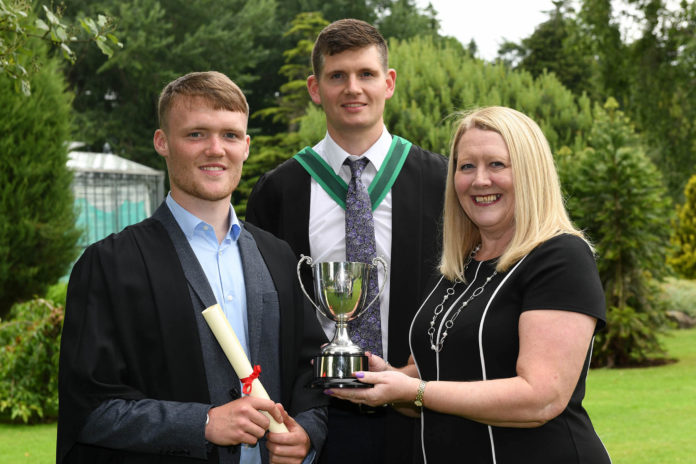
383,262
308,259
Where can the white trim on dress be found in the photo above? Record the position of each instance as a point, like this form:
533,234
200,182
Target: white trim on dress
480,340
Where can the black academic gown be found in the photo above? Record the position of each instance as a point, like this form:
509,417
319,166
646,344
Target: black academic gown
130,332
279,203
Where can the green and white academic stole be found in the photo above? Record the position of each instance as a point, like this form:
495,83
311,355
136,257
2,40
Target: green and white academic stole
337,187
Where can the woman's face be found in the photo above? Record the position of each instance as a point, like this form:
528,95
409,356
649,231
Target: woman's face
483,182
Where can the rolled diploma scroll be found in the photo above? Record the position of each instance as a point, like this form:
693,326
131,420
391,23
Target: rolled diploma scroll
235,353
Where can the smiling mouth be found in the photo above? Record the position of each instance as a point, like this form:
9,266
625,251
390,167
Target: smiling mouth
212,168
353,105
487,199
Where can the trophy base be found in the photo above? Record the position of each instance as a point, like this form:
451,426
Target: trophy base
338,383
336,371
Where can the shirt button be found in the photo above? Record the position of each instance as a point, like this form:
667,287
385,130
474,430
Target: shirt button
230,298
205,227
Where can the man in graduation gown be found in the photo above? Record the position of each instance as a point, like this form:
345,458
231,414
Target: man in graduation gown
303,202
142,378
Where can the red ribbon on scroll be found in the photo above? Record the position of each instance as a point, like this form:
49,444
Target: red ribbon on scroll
247,381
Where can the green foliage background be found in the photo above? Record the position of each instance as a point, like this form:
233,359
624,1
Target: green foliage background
116,98
616,194
30,344
37,222
683,258
651,75
679,295
438,78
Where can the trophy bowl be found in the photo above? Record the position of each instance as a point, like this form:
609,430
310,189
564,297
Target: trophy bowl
341,290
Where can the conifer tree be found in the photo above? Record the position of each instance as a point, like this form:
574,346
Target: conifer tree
37,221
616,194
437,78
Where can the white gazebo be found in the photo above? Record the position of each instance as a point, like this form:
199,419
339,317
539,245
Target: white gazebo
112,192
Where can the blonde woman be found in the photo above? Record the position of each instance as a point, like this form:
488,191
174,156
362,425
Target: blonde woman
502,343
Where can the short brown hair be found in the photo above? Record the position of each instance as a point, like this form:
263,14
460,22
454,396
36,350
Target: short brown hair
215,87
347,34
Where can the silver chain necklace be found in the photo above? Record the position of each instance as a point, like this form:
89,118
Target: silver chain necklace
449,292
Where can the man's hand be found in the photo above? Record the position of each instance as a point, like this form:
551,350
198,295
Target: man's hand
291,447
241,421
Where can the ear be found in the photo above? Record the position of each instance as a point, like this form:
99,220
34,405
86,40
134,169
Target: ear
248,145
160,143
313,89
391,83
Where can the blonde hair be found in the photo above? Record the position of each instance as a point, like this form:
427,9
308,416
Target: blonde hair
539,212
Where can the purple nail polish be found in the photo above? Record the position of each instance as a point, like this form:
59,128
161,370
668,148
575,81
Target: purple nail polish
360,375
328,392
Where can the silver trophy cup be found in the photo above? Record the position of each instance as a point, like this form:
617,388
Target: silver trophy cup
341,290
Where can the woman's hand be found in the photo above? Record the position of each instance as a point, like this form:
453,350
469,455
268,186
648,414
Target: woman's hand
375,363
390,386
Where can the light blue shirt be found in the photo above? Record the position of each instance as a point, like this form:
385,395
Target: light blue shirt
222,265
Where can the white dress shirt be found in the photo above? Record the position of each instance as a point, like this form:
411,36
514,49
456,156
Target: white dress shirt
222,265
327,231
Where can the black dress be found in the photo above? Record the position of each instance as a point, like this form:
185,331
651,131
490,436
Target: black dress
483,344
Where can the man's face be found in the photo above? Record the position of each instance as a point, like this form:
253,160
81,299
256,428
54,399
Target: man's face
204,149
352,89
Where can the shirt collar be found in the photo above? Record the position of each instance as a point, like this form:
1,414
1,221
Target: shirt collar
188,222
335,156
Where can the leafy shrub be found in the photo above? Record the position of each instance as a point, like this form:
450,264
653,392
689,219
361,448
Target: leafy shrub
631,337
30,343
58,293
683,259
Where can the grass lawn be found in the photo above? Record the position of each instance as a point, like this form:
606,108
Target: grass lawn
648,415
644,416
28,444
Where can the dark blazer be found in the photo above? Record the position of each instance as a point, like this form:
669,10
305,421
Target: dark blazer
133,331
279,203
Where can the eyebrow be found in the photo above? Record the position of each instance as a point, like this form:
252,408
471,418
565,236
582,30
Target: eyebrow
342,70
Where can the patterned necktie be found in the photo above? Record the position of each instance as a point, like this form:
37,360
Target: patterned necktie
366,331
